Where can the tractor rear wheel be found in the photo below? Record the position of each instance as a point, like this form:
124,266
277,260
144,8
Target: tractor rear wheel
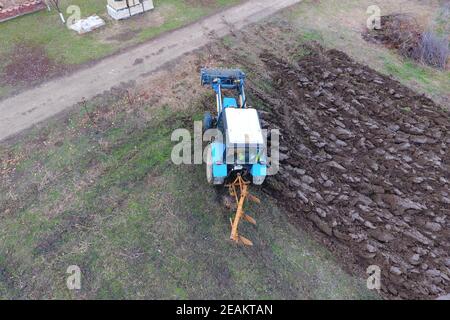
257,181
209,169
207,121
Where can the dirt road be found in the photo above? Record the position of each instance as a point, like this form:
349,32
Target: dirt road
26,109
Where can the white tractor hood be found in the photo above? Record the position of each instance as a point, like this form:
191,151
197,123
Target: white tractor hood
242,126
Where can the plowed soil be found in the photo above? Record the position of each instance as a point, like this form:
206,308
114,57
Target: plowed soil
364,160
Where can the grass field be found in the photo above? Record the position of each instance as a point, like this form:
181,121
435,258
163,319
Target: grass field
106,197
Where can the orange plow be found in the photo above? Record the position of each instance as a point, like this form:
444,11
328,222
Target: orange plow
239,190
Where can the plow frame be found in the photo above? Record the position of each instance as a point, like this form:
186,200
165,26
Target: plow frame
239,190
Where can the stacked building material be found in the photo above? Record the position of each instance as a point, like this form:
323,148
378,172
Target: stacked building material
87,25
123,9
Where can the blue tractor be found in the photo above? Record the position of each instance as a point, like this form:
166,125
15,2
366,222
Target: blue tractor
242,150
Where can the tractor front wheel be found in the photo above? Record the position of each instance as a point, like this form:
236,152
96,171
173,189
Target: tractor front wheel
209,165
209,170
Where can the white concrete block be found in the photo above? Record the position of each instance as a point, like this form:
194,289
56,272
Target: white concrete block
87,25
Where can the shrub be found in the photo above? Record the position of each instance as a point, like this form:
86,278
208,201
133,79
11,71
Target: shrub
432,50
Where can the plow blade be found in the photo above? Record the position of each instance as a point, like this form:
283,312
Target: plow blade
239,190
254,199
245,241
249,219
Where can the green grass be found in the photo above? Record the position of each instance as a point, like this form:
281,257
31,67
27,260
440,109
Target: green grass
4,90
312,35
140,227
408,71
434,82
180,13
227,41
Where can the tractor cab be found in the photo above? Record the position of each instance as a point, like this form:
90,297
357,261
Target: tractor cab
243,149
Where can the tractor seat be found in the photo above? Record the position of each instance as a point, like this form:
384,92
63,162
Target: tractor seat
229,102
